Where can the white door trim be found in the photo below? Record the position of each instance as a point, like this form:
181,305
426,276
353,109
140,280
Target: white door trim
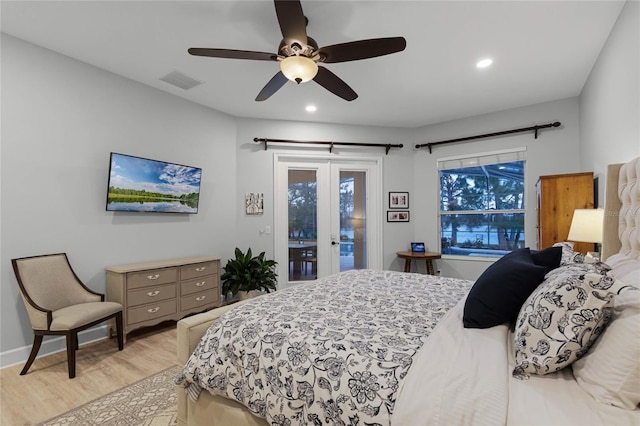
375,203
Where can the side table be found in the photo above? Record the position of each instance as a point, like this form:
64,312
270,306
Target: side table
428,257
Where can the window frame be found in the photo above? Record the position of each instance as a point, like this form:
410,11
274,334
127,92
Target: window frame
474,160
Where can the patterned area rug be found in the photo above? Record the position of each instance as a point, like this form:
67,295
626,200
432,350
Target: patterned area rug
149,402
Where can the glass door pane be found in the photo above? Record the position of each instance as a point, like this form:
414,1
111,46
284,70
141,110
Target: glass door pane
303,225
353,222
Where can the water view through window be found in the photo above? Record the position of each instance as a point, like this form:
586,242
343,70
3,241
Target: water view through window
482,209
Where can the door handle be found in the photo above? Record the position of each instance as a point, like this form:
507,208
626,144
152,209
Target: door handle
335,243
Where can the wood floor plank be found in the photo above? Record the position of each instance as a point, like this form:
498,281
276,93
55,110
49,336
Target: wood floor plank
46,390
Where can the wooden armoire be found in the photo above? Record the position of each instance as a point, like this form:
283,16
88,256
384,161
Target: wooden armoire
557,197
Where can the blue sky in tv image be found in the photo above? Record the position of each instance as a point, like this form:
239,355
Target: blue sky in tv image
142,185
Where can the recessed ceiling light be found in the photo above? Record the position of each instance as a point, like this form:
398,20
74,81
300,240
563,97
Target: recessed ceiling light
311,108
484,63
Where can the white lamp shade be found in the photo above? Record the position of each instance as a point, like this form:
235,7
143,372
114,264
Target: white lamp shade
586,226
298,68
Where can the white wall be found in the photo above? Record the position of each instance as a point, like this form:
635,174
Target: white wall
552,152
255,173
60,120
610,100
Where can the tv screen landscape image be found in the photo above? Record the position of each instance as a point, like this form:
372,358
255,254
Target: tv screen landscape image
142,185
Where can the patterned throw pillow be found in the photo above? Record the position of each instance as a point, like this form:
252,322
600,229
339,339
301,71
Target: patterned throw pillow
562,318
568,255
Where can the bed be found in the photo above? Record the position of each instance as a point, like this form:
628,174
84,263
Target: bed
384,347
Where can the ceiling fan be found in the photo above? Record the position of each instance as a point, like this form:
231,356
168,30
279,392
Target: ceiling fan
299,55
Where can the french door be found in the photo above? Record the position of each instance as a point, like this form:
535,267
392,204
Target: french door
327,216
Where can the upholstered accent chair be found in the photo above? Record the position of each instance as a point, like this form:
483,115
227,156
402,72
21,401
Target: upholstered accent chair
58,303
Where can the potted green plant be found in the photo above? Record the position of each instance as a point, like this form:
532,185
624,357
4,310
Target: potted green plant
247,274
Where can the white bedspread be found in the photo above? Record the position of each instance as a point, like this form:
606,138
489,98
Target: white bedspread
463,377
459,377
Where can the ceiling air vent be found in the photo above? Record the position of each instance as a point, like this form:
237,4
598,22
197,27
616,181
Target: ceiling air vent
180,80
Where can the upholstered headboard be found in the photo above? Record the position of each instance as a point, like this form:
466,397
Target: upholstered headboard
622,210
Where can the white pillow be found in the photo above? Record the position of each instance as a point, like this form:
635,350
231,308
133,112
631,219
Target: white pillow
610,372
625,268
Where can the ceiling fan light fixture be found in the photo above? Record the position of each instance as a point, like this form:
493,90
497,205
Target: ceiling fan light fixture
299,68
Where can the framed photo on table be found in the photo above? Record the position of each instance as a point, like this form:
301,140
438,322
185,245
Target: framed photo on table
398,200
396,216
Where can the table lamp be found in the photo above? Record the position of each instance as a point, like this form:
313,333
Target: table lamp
586,227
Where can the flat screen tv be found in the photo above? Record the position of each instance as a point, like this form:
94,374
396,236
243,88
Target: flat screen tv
142,185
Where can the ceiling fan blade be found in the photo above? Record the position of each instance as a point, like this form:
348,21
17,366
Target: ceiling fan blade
362,49
233,54
272,86
334,84
292,21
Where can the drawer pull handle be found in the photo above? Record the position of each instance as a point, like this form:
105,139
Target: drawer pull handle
201,284
153,277
153,310
202,268
153,293
201,298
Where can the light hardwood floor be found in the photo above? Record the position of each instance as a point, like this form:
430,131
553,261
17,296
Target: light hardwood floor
46,390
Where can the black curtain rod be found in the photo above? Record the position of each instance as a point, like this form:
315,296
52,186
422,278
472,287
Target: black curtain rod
488,135
386,147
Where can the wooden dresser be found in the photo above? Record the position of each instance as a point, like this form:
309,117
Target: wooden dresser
153,292
557,197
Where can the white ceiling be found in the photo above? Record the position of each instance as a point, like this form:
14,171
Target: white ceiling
542,51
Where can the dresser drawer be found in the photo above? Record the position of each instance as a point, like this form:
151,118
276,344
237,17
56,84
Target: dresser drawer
151,311
152,277
196,270
199,299
153,294
198,284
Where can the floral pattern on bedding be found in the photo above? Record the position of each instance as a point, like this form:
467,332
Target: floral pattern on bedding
563,317
333,351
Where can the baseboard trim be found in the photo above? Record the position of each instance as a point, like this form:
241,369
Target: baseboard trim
51,345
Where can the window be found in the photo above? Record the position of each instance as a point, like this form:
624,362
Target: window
482,204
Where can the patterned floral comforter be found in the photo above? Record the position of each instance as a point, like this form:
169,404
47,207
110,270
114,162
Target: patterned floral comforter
332,351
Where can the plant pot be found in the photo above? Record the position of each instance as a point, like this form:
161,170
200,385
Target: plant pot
244,295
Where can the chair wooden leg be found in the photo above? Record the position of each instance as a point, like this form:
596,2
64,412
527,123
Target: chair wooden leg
72,343
37,341
120,331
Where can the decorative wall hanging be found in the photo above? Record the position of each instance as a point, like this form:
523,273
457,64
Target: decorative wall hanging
254,203
398,200
397,216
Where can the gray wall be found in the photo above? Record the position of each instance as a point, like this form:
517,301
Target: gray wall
610,100
61,118
255,173
551,153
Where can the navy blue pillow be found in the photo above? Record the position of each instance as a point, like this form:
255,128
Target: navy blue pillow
498,294
549,258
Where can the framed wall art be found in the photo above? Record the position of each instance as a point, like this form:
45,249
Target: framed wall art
254,203
398,200
396,216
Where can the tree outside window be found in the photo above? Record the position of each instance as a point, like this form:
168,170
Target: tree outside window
482,209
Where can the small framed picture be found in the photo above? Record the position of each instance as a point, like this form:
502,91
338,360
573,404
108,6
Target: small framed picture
398,200
417,247
254,203
395,216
